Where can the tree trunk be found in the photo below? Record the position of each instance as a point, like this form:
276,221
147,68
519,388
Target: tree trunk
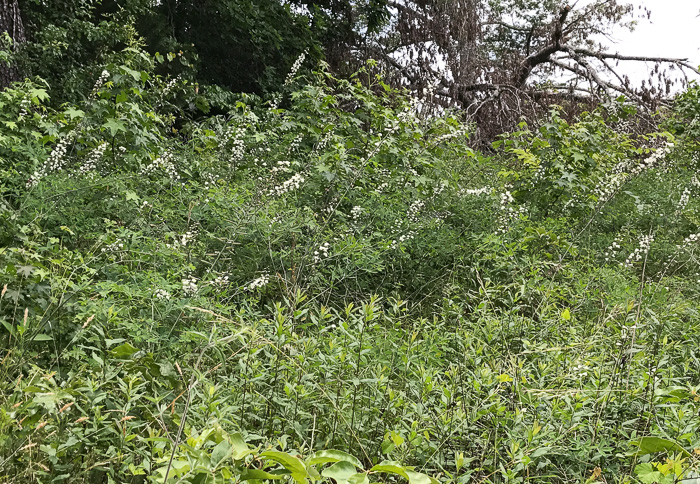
10,22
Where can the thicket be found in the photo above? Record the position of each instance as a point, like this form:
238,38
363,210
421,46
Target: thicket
323,276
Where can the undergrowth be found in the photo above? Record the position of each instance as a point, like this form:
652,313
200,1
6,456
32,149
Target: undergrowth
324,284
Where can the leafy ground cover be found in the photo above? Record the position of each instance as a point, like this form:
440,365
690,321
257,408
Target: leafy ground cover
326,286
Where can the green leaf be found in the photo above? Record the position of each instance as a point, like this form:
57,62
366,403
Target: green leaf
114,126
25,271
38,94
73,113
42,337
650,445
390,467
123,352
289,462
112,342
239,447
540,452
647,474
420,478
324,456
359,478
249,474
221,452
340,472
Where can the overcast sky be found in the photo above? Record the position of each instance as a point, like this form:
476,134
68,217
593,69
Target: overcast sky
674,31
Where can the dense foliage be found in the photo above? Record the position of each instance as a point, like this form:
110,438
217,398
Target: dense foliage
321,284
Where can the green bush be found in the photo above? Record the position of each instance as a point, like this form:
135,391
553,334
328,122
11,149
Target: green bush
221,300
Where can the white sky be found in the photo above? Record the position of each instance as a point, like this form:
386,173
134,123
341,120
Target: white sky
674,31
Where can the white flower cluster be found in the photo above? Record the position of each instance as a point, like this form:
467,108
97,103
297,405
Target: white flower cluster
414,210
164,162
183,240
287,186
642,250
162,294
539,174
691,239
275,102
408,113
396,243
261,281
282,166
114,246
295,67
683,202
294,145
440,188
331,206
613,249
322,252
220,281
55,162
25,104
170,85
655,160
100,82
459,133
210,180
90,164
237,145
380,189
275,220
189,285
625,170
323,142
508,212
475,191
356,213
607,187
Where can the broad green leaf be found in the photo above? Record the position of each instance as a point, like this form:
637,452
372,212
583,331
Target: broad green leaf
420,478
390,467
249,474
221,452
340,471
540,452
289,462
39,94
646,473
359,478
324,456
124,351
111,342
42,337
74,113
25,271
239,447
114,126
650,445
